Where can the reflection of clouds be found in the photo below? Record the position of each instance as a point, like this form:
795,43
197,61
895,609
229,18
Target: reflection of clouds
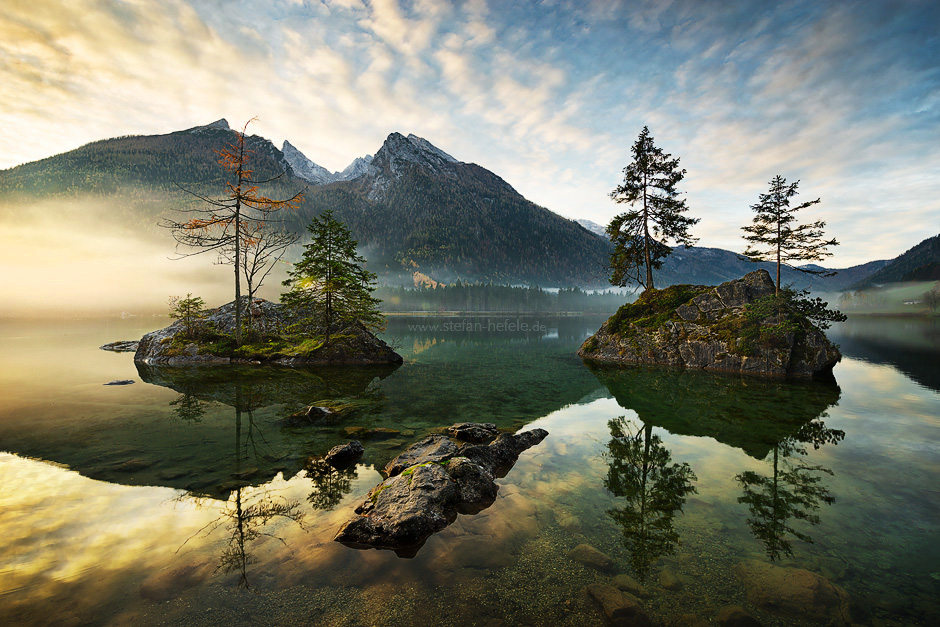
56,524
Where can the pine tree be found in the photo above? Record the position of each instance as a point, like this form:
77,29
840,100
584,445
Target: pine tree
640,235
329,280
775,235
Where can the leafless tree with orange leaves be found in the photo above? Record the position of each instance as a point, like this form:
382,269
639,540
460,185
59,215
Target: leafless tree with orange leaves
239,225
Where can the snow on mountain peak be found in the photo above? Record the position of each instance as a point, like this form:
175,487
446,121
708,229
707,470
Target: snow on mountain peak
304,167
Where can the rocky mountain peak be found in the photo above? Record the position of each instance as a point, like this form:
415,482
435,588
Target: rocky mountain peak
304,167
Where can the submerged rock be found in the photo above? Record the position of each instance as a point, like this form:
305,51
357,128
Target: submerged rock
343,455
352,344
119,382
793,592
703,327
428,485
592,558
621,609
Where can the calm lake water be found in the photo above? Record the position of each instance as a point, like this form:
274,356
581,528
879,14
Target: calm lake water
184,498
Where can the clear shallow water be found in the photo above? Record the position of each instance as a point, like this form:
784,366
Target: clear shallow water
183,498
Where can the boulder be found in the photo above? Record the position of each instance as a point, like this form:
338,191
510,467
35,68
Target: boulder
476,432
119,382
500,455
669,580
308,416
428,485
344,455
405,511
621,609
710,331
434,448
793,592
592,558
626,583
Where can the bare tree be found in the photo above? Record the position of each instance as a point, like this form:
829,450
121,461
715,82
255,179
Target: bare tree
226,224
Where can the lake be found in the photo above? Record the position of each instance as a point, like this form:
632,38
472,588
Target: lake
187,497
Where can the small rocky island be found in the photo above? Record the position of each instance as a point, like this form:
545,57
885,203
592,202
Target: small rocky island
433,481
729,328
351,344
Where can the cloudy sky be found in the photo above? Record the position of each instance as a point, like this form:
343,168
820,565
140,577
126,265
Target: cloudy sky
844,96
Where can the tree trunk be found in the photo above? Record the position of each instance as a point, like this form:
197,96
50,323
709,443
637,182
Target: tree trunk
646,240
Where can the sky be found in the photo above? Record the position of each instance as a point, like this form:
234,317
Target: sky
842,96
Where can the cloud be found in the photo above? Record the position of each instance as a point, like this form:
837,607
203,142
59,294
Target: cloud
549,97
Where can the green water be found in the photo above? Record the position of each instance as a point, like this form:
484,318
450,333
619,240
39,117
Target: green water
187,497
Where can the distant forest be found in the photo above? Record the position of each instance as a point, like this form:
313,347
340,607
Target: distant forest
465,297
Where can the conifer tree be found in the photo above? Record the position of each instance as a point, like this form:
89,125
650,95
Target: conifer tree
773,236
329,280
640,235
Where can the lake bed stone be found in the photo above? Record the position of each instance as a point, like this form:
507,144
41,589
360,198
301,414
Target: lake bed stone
592,558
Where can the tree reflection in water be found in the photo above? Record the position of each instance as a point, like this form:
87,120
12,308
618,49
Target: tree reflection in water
793,490
653,488
248,510
330,484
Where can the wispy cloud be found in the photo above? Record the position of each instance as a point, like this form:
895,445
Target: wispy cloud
548,95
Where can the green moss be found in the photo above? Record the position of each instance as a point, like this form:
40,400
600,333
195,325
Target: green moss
653,308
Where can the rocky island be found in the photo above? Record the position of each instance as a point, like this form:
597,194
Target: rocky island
734,327
433,481
175,345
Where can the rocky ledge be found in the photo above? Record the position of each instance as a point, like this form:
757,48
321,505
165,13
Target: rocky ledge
351,344
722,328
428,485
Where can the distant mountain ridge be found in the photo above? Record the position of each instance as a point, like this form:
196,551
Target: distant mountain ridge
920,263
412,206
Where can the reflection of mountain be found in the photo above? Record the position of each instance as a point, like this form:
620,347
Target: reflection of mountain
748,413
910,345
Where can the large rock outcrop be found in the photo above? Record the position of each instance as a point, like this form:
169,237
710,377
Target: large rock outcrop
351,344
714,328
428,485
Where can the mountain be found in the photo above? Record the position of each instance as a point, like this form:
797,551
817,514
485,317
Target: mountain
920,263
317,174
415,207
411,206
593,227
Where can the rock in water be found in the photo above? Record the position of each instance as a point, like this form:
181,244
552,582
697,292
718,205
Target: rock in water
343,455
620,609
474,431
428,485
793,592
434,448
702,327
119,382
352,345
591,557
121,346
